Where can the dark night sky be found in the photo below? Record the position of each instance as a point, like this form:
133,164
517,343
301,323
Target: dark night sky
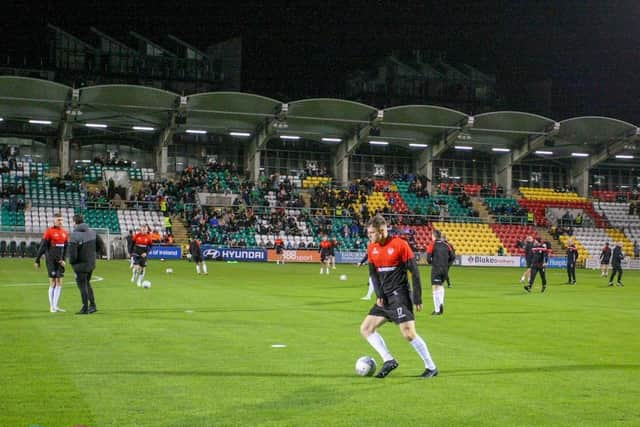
590,49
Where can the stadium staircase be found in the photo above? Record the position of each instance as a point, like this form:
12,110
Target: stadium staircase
482,210
180,231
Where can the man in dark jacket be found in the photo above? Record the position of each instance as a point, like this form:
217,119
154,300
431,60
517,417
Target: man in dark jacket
572,259
440,255
539,262
616,262
83,245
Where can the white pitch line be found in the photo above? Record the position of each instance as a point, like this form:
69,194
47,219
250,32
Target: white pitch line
27,284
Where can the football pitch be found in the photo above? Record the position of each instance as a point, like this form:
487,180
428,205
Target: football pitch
275,345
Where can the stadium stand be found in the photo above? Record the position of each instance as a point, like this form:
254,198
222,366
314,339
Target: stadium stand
470,239
512,236
537,200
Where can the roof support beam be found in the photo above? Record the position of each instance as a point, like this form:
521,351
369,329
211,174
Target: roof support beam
65,132
258,143
581,166
449,137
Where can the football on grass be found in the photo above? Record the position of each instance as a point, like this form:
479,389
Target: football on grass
146,284
365,366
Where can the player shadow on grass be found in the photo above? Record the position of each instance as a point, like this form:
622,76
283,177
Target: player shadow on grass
536,369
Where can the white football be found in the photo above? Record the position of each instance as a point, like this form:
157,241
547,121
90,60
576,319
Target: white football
146,284
365,366
169,270
343,277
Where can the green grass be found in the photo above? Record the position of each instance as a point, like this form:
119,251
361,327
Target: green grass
196,351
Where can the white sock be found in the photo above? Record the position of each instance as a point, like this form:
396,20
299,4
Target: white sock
134,275
56,295
522,278
204,268
436,303
140,277
441,296
370,291
198,268
376,341
321,270
421,347
51,292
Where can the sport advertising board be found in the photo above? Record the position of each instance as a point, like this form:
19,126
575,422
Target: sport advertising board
165,252
490,261
297,255
349,257
234,254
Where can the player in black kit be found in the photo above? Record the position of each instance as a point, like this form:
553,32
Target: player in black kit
538,264
527,245
440,255
572,258
616,262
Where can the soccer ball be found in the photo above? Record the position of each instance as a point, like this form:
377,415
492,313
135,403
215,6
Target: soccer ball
343,277
146,284
169,270
365,366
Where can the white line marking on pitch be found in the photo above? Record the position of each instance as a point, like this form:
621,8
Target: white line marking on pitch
27,284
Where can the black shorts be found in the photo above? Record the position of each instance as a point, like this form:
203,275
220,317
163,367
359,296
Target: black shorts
528,261
139,260
324,255
55,270
397,308
279,250
439,275
196,258
605,261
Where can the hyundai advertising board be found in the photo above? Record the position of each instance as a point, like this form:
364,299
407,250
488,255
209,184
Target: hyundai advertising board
234,254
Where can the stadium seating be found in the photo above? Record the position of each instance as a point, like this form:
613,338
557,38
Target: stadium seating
610,196
316,181
537,200
101,218
617,214
422,235
94,172
509,235
11,220
589,241
470,239
134,219
532,193
619,237
376,201
227,180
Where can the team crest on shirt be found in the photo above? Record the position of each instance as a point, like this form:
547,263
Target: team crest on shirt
375,251
390,251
